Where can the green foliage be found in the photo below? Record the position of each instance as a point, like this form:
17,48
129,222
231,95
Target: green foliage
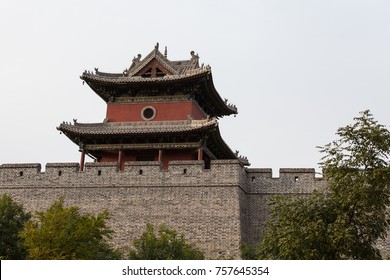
12,219
299,228
346,221
64,233
357,169
165,245
248,251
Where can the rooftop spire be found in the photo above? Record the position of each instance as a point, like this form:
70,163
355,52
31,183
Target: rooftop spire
166,52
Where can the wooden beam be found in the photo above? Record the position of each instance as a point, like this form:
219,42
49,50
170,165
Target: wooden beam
144,146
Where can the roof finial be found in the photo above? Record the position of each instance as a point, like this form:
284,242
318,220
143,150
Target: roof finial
194,57
137,59
166,52
156,47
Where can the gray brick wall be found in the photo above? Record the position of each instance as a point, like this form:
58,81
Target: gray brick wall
260,186
203,204
215,208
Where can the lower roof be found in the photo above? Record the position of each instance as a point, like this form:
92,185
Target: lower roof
149,135
136,128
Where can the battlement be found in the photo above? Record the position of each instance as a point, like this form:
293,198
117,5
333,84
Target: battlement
179,173
267,172
186,196
290,180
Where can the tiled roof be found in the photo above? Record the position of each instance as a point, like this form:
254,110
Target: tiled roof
180,67
164,77
79,131
136,128
175,67
123,79
155,54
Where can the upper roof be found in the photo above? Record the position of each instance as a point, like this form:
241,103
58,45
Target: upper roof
157,76
174,67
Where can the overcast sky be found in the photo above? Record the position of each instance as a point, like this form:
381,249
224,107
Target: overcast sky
296,69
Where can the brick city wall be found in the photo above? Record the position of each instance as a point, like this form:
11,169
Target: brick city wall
260,186
203,204
216,208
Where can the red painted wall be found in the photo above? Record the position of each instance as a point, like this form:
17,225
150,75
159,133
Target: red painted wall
109,157
167,156
120,112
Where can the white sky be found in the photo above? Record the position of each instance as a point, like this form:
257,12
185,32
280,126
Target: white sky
296,69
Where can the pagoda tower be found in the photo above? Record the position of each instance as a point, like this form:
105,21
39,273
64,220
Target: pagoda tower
157,110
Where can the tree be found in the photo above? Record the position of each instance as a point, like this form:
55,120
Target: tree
346,220
12,219
165,245
299,228
358,173
64,233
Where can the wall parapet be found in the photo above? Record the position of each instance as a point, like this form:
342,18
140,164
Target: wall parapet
19,165
151,173
106,174
290,181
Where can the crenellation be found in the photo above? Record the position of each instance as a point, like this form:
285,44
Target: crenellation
296,170
61,169
94,167
19,170
224,172
21,166
95,174
205,204
217,208
266,171
186,167
290,180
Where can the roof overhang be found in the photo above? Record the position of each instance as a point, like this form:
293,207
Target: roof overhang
197,84
128,136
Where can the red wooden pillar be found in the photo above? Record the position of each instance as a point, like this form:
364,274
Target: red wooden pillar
200,154
160,154
82,160
160,159
120,160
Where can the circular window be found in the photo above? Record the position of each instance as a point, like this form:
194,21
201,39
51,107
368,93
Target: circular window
148,113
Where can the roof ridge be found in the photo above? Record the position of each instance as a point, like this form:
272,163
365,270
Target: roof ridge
166,62
154,54
138,66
